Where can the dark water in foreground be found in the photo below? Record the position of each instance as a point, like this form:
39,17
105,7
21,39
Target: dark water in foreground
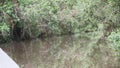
61,52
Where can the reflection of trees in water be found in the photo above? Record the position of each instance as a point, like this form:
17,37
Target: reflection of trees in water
60,52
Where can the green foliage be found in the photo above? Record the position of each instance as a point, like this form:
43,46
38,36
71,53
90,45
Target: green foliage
115,39
68,16
63,16
7,16
4,27
49,13
4,32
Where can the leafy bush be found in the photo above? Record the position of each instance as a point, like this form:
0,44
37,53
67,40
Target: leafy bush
62,16
115,39
5,10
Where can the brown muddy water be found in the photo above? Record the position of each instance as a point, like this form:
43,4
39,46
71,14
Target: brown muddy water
61,52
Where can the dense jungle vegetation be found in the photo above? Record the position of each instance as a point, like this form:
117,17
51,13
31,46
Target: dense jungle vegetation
25,19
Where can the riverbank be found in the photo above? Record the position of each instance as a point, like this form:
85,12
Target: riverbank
22,19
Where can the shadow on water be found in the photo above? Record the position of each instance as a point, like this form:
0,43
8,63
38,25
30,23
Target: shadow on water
61,52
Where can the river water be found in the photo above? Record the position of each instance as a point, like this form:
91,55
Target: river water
61,52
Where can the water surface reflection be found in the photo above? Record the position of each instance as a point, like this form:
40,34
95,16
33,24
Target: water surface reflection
61,52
